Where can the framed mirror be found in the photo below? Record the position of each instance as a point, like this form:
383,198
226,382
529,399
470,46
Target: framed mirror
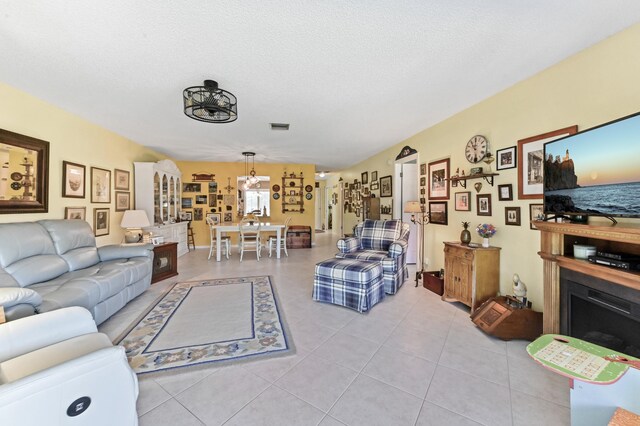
24,173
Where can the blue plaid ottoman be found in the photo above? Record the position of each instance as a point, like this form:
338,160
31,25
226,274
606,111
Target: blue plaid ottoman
349,282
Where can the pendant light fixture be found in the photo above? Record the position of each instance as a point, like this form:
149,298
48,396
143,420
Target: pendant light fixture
210,104
249,176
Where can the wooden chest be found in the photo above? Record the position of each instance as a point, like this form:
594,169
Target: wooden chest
298,237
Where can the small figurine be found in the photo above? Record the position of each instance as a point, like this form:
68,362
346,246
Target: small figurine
463,173
519,289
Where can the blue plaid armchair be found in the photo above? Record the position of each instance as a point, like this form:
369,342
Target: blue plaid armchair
382,241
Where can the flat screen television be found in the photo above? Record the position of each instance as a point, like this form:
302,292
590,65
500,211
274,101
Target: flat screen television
595,172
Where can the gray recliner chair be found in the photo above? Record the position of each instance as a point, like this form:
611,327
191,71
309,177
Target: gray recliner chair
56,369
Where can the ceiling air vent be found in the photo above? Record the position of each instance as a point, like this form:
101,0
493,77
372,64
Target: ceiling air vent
279,126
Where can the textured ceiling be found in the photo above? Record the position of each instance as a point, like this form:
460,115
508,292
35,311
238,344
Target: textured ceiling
352,77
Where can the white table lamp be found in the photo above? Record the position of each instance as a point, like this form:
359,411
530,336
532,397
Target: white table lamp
133,221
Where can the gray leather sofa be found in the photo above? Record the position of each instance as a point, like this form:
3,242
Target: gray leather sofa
59,260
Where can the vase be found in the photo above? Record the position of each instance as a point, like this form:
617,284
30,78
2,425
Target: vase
485,242
465,235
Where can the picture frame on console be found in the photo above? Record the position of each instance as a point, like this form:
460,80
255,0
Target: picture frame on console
530,161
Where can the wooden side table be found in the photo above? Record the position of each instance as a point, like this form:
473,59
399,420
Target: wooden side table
165,262
471,273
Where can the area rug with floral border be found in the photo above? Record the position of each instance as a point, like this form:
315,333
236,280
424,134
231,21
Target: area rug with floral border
197,323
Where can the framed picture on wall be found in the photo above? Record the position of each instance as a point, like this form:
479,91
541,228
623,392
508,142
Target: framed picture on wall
215,217
73,180
100,185
438,212
123,201
536,212
463,201
374,176
120,179
423,169
512,216
101,221
191,187
365,177
505,192
530,161
75,213
483,204
506,158
187,203
385,186
438,180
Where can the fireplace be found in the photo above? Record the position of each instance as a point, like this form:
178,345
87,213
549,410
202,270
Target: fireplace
600,312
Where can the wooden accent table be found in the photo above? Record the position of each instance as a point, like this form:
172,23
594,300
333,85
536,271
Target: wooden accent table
165,262
471,274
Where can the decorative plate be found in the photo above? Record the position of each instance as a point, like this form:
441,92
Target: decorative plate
292,183
308,188
308,196
16,185
293,200
16,176
276,188
276,195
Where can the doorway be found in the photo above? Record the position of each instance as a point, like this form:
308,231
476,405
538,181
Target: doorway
405,188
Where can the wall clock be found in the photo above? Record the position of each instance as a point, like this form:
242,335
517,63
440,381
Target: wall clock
476,149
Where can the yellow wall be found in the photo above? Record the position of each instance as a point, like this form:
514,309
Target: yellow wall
595,86
74,139
223,171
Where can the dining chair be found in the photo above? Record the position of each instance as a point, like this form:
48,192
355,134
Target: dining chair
225,240
273,240
249,239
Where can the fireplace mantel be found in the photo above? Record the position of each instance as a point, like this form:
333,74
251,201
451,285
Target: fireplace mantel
556,243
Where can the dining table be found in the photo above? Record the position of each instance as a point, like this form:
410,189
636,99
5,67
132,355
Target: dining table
235,227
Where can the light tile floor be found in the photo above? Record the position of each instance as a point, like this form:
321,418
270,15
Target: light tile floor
412,360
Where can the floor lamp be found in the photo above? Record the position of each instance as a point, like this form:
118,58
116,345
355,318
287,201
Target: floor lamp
414,208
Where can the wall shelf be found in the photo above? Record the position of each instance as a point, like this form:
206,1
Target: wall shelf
463,179
298,186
